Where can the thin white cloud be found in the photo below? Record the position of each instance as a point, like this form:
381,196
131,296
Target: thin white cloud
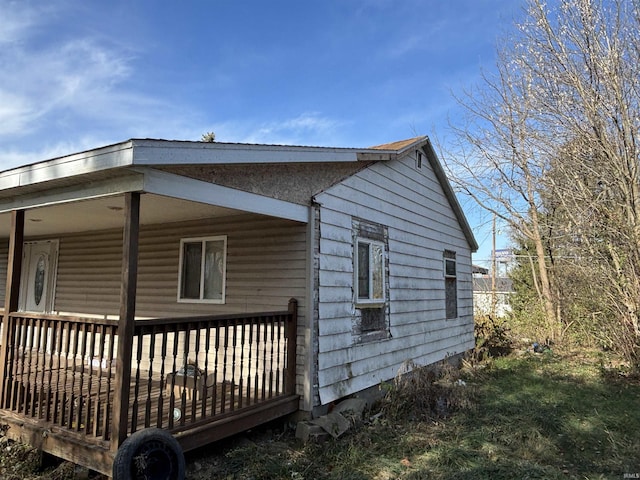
65,90
15,112
68,76
17,20
305,129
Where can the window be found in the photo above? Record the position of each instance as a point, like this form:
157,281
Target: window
370,281
202,270
450,284
370,271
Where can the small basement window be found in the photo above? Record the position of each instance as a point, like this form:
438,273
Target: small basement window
202,270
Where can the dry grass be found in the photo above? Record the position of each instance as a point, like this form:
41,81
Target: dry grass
21,462
426,393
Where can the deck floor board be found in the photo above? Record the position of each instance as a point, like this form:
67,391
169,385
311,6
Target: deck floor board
82,401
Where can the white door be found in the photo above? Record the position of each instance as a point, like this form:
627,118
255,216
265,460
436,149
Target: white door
37,286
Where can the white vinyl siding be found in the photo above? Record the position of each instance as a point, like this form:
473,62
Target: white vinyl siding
266,266
421,224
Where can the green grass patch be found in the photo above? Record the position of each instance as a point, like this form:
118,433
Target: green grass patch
546,417
523,416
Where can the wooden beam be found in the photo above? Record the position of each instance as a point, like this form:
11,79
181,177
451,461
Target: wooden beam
12,295
59,442
126,322
247,418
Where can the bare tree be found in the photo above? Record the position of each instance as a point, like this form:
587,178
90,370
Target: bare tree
557,128
499,162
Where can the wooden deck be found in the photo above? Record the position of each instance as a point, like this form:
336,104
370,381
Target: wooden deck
200,378
178,402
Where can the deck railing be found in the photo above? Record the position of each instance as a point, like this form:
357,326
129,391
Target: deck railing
185,372
59,369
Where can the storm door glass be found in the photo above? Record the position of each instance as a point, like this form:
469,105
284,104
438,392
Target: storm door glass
38,279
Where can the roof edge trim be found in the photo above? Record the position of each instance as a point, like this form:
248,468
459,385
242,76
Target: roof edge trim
105,158
166,152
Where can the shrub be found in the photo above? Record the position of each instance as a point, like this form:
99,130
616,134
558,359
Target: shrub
426,393
493,338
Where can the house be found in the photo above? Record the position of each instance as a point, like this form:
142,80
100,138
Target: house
490,299
180,292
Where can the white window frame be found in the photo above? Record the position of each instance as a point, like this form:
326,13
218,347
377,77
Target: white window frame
204,241
369,302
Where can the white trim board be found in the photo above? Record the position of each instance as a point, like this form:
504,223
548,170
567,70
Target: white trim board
167,184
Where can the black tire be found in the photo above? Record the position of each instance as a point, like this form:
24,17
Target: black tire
149,454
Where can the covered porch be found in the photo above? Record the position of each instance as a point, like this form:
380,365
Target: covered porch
117,352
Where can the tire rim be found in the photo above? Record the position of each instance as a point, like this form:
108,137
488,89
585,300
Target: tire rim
154,461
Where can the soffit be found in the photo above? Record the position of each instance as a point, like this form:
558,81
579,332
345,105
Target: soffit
107,212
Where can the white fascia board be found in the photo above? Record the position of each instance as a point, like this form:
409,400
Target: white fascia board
159,152
104,188
105,158
176,186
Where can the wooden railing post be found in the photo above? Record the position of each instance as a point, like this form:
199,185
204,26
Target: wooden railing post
12,294
292,334
126,322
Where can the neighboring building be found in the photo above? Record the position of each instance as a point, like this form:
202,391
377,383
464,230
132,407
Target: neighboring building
148,285
477,270
483,295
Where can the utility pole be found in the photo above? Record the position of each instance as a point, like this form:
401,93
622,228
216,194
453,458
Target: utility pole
494,299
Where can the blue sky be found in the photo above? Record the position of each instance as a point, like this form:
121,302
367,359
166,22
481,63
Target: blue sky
78,74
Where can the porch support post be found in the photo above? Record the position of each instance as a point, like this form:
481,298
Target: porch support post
12,294
292,337
126,322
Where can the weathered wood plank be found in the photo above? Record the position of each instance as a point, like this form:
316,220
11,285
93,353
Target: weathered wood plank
126,324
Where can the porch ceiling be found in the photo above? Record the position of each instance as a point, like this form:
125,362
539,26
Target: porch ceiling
107,212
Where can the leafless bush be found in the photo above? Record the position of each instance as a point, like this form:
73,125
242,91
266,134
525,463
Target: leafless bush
426,393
